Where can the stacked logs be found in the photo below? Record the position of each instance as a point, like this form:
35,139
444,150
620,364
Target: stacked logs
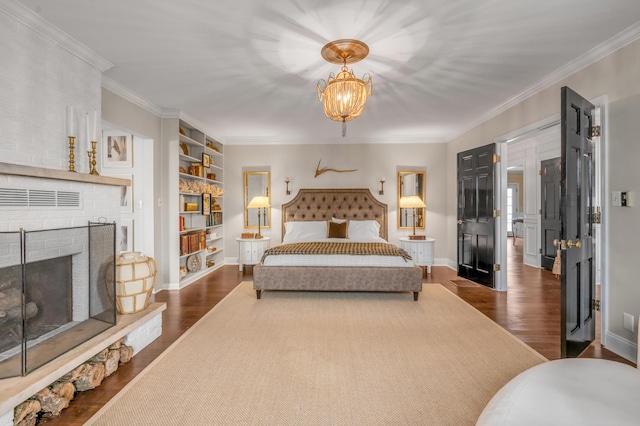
50,401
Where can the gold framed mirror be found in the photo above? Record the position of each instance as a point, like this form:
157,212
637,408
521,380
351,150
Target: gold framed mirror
411,183
257,184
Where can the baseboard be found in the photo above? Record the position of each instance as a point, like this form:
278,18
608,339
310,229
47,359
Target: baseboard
621,346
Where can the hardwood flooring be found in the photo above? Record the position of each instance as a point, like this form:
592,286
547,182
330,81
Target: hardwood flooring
530,310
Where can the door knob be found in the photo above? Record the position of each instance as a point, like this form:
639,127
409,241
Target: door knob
459,222
560,243
571,244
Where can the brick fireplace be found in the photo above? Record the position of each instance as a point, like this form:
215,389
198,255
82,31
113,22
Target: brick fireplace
54,293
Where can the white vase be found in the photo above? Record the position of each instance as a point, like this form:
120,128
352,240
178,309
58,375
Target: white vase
135,281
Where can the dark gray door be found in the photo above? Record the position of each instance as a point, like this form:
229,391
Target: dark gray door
550,217
475,215
578,254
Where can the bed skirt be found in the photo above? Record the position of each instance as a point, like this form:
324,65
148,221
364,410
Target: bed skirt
337,278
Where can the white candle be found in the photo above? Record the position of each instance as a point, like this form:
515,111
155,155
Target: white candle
70,126
88,135
95,124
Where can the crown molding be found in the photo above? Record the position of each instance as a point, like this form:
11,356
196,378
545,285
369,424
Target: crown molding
125,93
35,22
602,50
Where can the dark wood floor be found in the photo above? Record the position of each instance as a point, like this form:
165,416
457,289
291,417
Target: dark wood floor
530,311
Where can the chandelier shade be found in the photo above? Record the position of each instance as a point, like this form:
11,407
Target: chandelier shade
344,95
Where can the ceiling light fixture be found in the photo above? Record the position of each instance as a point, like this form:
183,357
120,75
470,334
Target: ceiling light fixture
344,95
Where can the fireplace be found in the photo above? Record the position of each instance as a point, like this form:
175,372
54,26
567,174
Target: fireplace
54,294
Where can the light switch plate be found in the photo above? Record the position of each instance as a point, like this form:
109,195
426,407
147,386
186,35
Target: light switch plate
616,199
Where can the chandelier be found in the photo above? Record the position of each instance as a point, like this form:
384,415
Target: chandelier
344,95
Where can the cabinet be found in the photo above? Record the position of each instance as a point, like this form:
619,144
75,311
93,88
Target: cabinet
421,251
200,217
250,250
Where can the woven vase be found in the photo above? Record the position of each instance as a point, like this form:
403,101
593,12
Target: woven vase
135,281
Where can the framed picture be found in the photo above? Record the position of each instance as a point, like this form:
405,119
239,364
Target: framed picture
206,160
126,195
206,204
117,149
125,235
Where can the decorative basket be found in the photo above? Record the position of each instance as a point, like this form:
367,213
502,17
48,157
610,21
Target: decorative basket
135,281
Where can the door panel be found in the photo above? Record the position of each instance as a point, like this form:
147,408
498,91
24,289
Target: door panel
476,253
578,263
550,218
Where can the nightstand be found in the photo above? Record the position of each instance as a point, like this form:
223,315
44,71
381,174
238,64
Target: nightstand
250,250
421,251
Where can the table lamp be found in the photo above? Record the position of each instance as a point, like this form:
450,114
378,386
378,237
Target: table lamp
259,202
413,202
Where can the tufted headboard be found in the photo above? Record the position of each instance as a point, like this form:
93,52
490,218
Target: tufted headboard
342,203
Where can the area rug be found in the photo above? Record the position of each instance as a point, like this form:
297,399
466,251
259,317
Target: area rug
326,358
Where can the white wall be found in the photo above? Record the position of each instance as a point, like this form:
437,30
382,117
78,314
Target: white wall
299,162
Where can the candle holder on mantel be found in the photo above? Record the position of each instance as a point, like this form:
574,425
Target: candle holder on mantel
72,155
92,159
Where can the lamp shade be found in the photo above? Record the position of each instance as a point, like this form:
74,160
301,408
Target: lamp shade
259,202
412,201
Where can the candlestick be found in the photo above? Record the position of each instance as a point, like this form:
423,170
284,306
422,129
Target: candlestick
72,155
92,159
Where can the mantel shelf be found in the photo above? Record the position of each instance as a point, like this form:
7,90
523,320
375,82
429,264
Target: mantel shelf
43,173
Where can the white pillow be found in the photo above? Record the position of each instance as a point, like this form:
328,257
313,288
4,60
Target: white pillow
364,230
304,231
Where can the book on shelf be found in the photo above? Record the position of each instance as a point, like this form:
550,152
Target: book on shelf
194,242
184,244
181,223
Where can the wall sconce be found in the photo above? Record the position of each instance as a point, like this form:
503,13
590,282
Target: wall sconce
287,180
382,181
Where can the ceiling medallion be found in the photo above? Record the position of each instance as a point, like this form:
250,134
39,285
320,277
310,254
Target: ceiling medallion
344,95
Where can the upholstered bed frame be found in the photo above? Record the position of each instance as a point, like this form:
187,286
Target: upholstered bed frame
323,204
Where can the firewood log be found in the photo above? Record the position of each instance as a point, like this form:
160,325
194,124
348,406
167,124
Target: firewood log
51,402
24,409
64,389
126,353
112,362
92,378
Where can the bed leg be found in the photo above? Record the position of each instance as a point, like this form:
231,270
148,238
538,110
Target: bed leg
415,296
258,294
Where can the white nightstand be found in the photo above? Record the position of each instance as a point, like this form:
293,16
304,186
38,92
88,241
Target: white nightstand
250,250
421,251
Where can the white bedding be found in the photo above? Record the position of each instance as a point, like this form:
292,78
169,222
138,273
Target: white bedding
337,260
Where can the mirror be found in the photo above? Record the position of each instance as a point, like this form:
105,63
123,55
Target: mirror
409,184
256,184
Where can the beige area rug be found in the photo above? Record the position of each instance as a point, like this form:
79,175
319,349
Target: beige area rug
313,358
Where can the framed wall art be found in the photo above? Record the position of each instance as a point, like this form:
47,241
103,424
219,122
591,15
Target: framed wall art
117,149
206,204
125,235
126,195
206,160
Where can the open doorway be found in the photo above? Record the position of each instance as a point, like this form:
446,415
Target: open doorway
529,148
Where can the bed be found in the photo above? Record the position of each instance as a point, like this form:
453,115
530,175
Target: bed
373,270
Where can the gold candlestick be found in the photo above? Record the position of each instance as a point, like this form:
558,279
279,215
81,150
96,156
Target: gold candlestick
92,159
72,155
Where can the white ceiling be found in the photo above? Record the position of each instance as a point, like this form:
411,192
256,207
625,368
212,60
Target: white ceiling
247,69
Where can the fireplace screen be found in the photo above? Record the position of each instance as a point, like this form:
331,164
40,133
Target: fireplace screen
54,294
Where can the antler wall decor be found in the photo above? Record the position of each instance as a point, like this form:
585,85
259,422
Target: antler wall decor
320,171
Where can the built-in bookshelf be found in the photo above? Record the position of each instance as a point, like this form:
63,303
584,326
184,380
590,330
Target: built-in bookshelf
200,215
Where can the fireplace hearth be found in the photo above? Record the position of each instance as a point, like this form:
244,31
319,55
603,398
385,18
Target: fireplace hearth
53,293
